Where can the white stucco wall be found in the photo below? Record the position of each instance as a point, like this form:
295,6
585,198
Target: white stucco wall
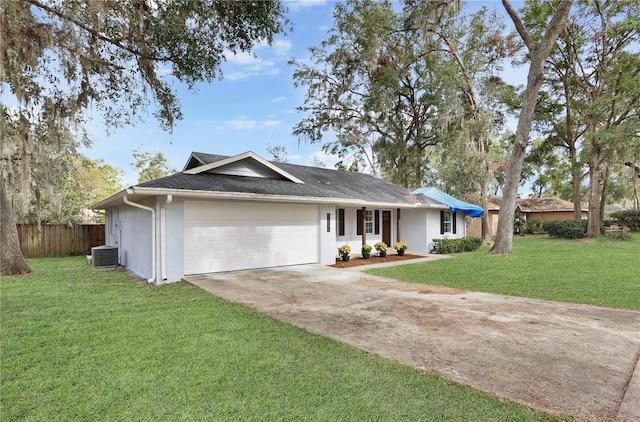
433,228
413,230
174,242
462,225
327,235
354,240
129,229
421,225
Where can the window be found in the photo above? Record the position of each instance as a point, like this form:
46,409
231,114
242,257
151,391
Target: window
340,221
447,222
371,221
368,222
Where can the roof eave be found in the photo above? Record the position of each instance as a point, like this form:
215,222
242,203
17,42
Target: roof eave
113,199
136,191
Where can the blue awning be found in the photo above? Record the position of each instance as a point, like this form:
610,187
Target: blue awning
448,200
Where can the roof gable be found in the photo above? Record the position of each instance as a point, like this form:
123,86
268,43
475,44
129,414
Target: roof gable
247,164
193,161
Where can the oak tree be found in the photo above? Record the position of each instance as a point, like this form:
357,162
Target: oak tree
538,53
61,61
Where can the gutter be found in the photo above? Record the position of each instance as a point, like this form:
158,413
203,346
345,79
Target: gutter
153,232
241,196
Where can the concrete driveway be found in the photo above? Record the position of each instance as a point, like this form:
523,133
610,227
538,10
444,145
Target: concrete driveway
562,358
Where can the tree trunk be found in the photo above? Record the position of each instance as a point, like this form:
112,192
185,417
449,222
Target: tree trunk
636,197
603,193
577,198
504,235
486,232
593,224
635,172
573,153
538,53
11,260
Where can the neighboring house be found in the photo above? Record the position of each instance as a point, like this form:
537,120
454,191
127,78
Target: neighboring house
608,209
233,213
545,209
542,209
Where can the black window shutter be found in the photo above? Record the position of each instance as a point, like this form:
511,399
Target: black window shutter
453,222
359,217
377,221
441,222
340,221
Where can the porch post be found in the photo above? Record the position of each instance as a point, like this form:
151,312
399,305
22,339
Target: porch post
364,226
398,224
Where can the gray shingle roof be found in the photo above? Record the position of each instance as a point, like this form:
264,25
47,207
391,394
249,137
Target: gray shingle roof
318,182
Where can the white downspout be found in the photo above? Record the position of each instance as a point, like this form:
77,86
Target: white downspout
163,237
153,234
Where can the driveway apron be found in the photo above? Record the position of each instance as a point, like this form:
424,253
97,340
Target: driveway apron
562,358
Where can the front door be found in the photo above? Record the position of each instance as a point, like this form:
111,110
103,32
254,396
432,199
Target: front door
386,227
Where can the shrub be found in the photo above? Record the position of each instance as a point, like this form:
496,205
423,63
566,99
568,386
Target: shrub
534,226
568,229
519,224
618,235
572,229
466,244
629,219
551,227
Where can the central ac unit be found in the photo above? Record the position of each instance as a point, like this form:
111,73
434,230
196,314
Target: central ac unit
104,256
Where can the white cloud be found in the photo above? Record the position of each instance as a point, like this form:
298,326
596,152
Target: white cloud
241,58
270,123
164,70
236,76
279,99
265,60
329,160
242,122
280,47
296,5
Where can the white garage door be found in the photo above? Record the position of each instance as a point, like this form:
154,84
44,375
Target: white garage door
234,236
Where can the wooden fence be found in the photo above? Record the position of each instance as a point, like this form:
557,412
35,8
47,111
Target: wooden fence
54,240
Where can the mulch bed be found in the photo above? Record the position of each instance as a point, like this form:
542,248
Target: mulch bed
374,259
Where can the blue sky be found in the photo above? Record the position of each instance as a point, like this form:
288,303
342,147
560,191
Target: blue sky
254,106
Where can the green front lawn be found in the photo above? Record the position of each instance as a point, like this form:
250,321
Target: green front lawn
602,272
84,344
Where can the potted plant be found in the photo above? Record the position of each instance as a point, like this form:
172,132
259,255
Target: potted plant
381,247
366,251
400,247
344,252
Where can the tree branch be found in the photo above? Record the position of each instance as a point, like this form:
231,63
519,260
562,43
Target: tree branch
115,42
526,37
